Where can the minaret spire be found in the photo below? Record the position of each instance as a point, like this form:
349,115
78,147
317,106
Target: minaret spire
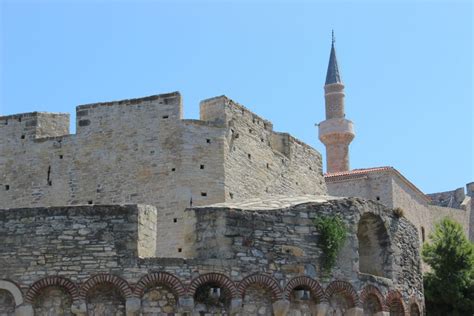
336,132
332,75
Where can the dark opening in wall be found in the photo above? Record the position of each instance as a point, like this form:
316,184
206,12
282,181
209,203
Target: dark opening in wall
249,156
265,125
173,169
19,119
310,168
250,130
231,195
7,187
49,176
208,140
378,198
201,167
165,116
22,136
422,234
180,249
90,202
6,122
175,220
203,193
268,165
61,156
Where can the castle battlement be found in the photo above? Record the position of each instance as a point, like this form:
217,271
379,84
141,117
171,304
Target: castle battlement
142,151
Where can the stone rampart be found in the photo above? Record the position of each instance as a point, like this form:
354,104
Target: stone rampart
143,151
86,260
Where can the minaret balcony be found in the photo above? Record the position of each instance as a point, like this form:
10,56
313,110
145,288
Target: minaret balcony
336,130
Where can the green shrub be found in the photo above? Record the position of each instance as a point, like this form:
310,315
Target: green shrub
333,233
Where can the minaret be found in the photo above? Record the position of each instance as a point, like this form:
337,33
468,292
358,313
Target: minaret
336,133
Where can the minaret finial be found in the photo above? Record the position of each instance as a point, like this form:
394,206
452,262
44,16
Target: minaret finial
332,75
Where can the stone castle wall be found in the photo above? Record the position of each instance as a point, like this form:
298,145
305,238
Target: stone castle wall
89,260
143,151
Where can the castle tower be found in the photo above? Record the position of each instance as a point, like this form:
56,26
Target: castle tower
336,132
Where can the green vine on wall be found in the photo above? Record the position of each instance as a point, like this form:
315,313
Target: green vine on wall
333,234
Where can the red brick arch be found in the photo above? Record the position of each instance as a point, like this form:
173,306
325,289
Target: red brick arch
394,297
56,281
315,289
217,278
263,280
372,290
159,278
116,281
344,288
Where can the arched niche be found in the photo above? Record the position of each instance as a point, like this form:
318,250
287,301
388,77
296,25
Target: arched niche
52,300
374,245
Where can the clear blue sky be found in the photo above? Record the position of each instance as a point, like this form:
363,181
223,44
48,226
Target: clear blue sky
407,67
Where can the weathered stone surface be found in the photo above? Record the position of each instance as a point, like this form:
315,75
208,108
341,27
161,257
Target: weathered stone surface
143,151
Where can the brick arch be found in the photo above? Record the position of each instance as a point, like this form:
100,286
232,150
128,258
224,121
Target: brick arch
217,278
344,288
372,290
57,281
394,297
263,280
315,289
116,281
157,278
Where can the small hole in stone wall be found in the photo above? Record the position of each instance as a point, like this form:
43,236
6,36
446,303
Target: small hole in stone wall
180,249
268,166
152,152
262,140
7,187
253,120
6,122
310,168
90,202
201,167
250,130
22,136
231,195
203,194
378,198
165,116
243,111
19,119
249,156
61,156
175,220
422,234
237,135
50,183
296,183
288,251
208,140
265,125
173,169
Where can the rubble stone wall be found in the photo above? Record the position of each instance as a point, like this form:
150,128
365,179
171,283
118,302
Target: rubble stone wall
84,260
